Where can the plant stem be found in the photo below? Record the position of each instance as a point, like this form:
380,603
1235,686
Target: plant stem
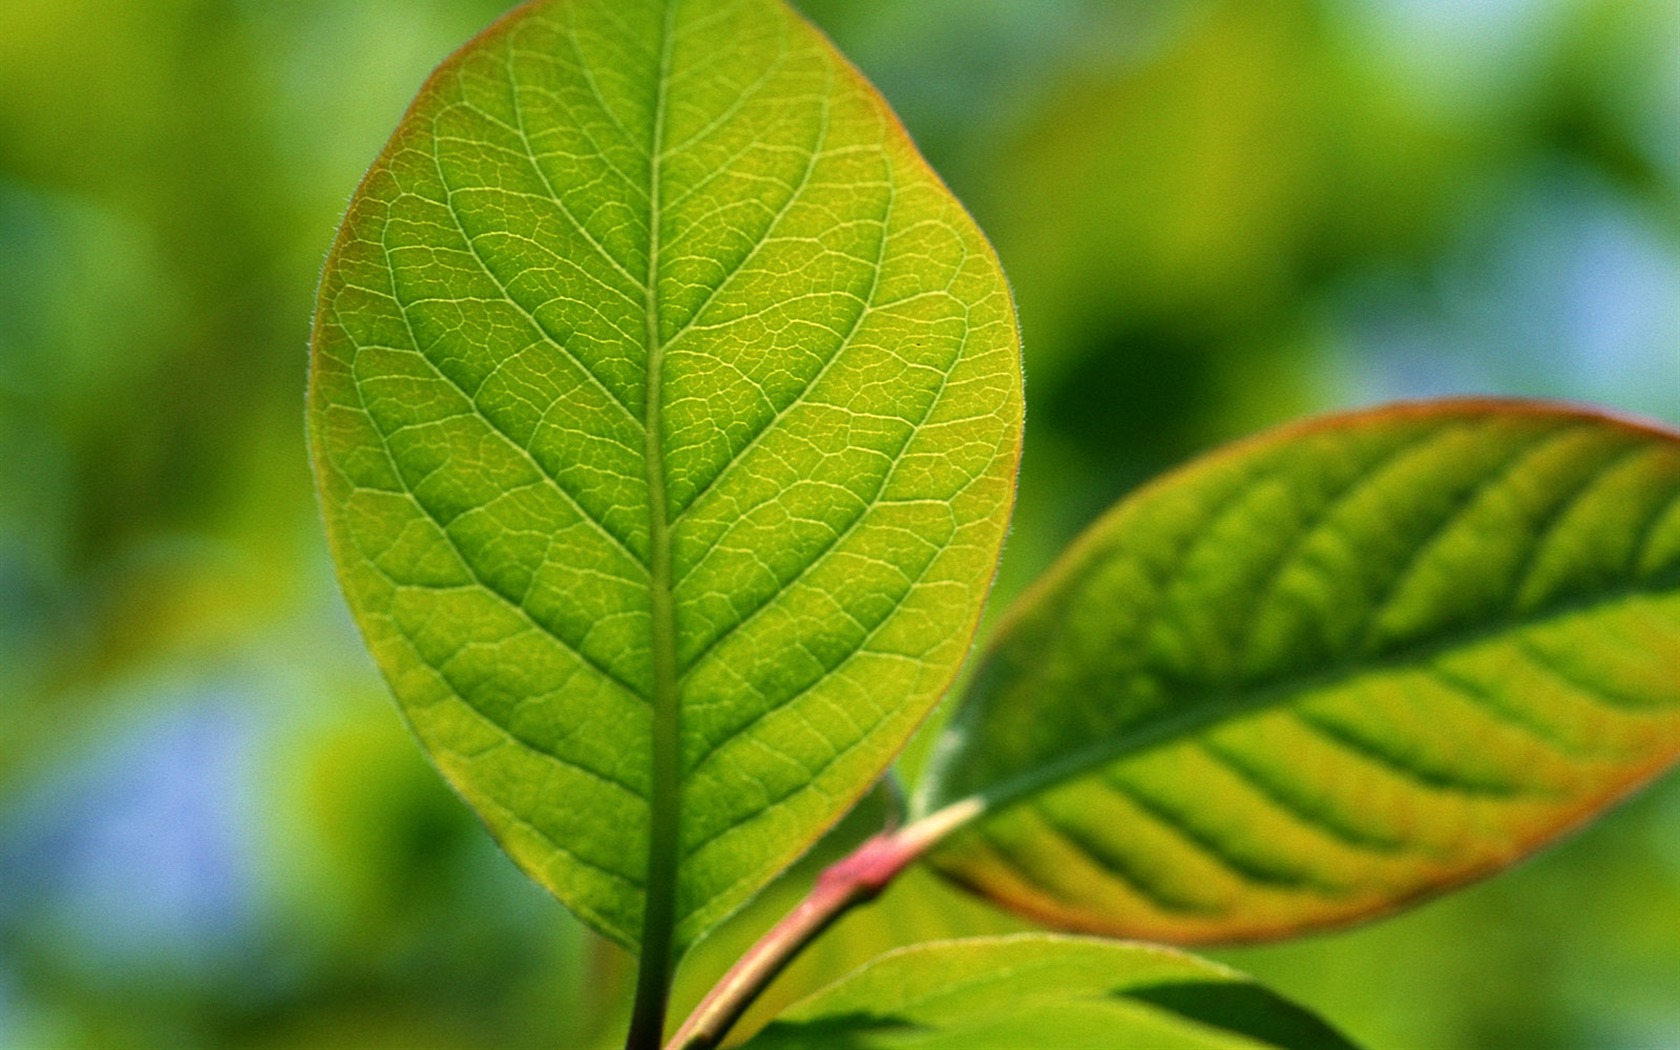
857,879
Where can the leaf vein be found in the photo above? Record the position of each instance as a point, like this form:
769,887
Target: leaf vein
536,323
478,412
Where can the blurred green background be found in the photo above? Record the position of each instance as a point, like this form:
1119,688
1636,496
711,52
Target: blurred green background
214,831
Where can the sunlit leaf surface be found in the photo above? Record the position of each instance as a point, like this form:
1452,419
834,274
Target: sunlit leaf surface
1328,671
1035,990
665,411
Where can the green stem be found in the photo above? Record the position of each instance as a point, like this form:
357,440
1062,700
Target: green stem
653,979
857,879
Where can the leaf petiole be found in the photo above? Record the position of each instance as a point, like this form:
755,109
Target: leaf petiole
858,878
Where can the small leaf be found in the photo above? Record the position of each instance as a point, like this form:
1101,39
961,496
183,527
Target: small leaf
665,410
1326,672
1039,990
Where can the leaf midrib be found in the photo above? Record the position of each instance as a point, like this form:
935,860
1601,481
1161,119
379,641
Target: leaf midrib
659,904
1211,708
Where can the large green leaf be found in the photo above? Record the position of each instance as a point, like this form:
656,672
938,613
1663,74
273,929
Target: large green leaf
665,411
1325,672
1039,990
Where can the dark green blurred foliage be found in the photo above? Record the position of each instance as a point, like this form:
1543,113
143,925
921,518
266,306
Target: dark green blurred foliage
1216,216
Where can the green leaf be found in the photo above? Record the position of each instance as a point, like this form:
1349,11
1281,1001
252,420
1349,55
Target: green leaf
1326,672
1039,990
665,410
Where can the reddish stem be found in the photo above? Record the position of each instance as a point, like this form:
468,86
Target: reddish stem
858,878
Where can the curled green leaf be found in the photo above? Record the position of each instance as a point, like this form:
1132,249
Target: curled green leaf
1039,990
1330,670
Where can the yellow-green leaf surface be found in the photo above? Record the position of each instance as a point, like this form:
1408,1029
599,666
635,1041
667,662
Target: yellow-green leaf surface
665,410
1327,671
1034,990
